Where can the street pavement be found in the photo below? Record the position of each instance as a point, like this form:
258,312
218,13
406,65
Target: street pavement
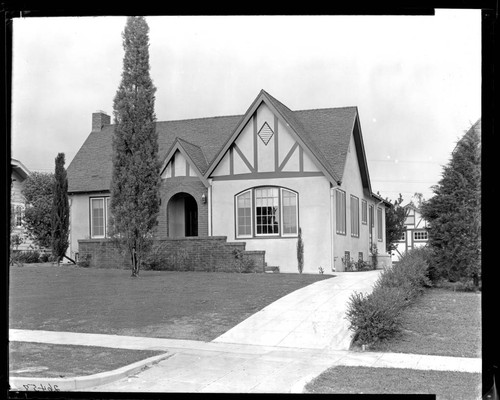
277,350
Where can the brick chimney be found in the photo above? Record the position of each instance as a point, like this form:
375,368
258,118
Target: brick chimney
99,119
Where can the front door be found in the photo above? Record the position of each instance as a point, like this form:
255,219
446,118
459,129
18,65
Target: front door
182,216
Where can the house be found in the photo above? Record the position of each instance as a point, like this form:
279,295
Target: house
416,234
19,174
255,179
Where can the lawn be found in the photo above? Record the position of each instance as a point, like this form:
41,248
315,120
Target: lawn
441,322
61,361
445,385
177,305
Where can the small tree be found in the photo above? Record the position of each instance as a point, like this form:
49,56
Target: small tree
300,251
454,214
394,223
60,211
136,176
38,193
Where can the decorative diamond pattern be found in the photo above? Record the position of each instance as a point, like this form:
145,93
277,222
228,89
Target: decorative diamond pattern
265,133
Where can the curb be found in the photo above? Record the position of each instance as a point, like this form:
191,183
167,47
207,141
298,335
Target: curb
81,382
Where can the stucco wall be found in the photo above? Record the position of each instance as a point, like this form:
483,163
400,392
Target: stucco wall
352,185
314,219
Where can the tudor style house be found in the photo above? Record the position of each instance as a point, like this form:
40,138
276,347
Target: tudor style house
254,178
416,234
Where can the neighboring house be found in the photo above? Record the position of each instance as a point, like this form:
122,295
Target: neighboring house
254,178
416,234
19,173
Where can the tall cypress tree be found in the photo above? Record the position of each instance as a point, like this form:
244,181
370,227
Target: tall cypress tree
454,214
136,179
60,211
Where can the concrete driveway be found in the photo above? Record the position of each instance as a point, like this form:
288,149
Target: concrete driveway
311,318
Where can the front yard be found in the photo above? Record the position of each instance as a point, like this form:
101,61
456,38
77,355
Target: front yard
176,305
441,322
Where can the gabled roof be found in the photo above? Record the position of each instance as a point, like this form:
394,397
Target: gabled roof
91,168
18,166
324,134
193,153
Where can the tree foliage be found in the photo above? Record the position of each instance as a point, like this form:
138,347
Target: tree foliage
60,210
300,252
38,192
136,179
454,214
394,223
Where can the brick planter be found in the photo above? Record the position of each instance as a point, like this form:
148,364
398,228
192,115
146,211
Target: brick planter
212,253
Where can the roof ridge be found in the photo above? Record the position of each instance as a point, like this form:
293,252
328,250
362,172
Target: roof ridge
326,108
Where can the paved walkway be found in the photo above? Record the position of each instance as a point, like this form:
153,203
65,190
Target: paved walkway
311,317
238,368
277,350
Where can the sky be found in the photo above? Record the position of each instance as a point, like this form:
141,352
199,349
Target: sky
416,80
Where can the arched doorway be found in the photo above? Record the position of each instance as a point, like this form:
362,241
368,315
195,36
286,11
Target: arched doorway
182,216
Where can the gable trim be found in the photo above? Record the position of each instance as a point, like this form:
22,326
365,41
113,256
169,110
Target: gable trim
242,156
263,97
177,146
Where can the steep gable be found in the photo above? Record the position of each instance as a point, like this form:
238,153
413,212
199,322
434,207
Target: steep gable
322,136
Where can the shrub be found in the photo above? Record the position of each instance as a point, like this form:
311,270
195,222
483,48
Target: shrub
84,261
376,316
244,264
27,257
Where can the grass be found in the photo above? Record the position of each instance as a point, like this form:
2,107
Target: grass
441,322
177,305
62,361
446,385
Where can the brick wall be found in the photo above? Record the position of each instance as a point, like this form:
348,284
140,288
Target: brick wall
182,184
212,253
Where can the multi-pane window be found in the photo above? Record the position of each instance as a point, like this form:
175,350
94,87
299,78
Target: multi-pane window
403,237
267,211
289,213
379,224
420,235
99,207
364,206
244,214
354,216
19,216
340,212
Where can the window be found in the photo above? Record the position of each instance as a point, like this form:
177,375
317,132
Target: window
379,224
410,220
267,211
420,235
244,214
354,216
99,210
363,212
360,256
19,216
340,212
371,217
403,237
290,214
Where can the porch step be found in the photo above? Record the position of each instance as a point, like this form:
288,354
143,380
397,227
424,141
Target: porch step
271,269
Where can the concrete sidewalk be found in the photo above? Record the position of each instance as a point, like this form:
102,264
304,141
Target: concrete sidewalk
237,368
311,317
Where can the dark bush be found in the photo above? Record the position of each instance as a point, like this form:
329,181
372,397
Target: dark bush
376,316
27,256
244,264
84,261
